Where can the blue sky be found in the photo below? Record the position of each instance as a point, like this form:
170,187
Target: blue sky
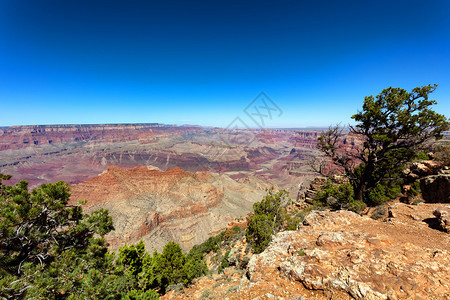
203,62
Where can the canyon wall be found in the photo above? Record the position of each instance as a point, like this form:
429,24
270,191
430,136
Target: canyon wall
161,206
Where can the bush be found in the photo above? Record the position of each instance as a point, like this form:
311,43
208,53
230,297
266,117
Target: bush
269,218
211,244
259,232
422,156
414,190
169,268
142,295
338,196
383,192
206,294
50,249
224,263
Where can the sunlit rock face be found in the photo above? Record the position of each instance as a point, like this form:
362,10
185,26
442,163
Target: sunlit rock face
161,206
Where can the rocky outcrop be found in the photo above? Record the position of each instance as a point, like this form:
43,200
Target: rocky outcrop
443,216
422,168
161,206
436,188
306,195
341,251
342,255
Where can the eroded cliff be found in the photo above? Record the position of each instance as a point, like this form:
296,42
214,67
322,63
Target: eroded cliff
161,206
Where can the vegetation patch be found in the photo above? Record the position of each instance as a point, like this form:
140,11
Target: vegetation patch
270,216
395,128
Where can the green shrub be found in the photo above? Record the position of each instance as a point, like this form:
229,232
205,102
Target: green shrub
414,190
169,268
142,295
224,263
211,244
270,216
132,257
338,196
383,192
259,232
232,289
422,156
41,234
49,249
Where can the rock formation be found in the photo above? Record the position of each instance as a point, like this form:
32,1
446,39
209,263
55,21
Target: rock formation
161,206
443,216
436,188
75,153
342,255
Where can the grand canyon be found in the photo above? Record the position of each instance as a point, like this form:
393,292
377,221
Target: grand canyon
253,150
161,182
75,153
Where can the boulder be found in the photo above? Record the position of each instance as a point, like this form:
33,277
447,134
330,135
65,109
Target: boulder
425,167
443,216
436,188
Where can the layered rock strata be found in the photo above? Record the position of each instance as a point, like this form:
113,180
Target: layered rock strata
161,206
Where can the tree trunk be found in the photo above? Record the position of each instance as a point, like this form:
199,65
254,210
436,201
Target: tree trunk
359,192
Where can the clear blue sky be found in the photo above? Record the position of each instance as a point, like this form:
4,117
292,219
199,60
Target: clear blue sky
203,62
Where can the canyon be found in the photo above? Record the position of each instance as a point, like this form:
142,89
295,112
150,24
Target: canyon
75,153
161,182
173,205
164,183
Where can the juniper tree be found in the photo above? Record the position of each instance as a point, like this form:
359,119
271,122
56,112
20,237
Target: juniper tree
393,127
47,246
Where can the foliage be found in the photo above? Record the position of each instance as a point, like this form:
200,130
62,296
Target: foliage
206,294
259,232
170,267
338,196
49,249
422,156
224,263
211,244
383,192
379,212
270,216
414,190
394,126
142,295
232,289
231,232
132,257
